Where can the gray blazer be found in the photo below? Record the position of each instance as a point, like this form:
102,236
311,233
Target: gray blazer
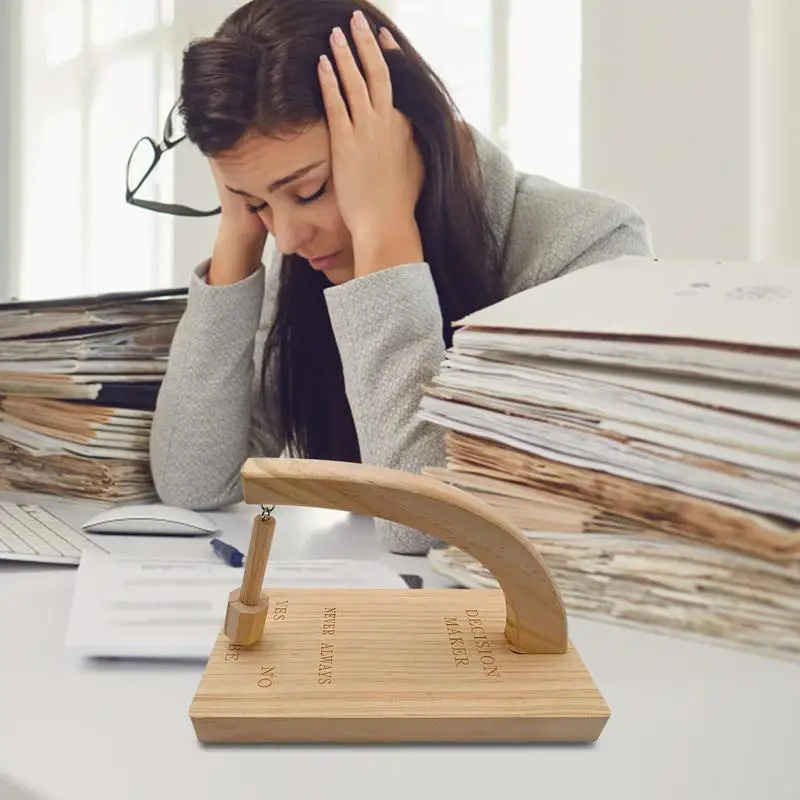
212,412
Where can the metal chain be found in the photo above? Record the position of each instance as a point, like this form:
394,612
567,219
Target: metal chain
266,511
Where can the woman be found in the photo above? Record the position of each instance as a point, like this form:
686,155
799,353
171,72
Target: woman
392,218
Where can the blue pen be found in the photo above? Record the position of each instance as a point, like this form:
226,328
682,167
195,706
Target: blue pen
228,553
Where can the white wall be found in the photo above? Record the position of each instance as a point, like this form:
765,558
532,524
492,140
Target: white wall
6,134
776,133
691,110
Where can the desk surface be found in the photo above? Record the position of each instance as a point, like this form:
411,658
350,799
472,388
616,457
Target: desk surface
688,720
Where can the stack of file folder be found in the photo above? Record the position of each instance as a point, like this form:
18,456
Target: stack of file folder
79,378
640,420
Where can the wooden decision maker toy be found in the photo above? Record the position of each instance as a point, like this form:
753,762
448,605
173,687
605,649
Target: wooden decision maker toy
395,665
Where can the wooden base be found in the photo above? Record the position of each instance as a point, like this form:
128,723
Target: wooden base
392,666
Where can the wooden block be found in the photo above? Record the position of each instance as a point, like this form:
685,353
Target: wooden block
392,666
244,623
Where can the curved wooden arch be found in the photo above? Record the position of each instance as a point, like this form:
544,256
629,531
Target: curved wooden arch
535,616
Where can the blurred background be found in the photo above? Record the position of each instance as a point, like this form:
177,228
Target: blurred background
690,110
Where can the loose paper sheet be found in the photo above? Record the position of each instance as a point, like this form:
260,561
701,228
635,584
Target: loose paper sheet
174,609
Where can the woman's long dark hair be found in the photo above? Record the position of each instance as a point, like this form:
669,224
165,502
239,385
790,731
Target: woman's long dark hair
259,73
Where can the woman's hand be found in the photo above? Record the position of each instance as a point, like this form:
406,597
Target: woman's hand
240,238
376,166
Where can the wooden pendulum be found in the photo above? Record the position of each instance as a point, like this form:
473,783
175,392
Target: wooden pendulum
247,609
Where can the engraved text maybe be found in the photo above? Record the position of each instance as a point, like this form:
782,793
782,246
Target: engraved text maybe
457,647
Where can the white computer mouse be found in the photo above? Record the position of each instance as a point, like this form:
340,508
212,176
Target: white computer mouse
155,519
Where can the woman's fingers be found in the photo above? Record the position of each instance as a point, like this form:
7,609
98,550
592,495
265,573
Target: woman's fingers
378,80
354,85
363,93
335,109
387,40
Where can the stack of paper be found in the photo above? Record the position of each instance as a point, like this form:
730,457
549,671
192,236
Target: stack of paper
79,379
669,587
653,407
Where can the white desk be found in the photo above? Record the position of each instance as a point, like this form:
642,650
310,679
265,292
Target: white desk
688,720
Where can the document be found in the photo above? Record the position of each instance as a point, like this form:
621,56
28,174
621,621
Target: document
680,301
723,320
127,607
90,313
79,380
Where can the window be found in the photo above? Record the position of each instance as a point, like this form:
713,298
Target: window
94,77
513,68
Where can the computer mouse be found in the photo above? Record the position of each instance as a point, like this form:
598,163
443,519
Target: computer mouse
154,519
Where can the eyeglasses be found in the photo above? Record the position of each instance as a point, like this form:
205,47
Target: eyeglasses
146,151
